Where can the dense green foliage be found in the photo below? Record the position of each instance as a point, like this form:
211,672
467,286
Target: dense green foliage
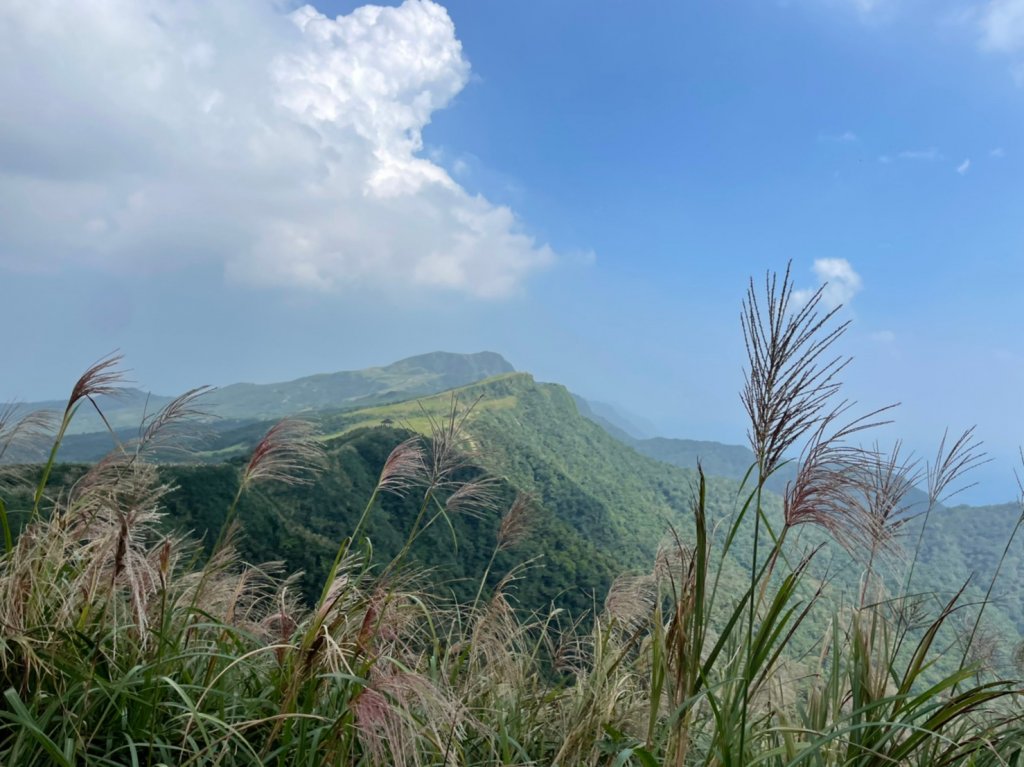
302,525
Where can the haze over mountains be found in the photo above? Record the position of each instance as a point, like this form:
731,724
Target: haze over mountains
410,377
233,411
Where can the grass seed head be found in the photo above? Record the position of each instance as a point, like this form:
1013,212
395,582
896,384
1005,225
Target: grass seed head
289,453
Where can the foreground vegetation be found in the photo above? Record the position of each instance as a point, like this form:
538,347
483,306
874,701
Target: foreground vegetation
121,644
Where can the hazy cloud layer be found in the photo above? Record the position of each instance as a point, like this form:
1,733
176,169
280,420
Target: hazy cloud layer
143,134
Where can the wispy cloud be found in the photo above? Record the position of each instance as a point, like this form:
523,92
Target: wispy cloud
846,137
997,153
963,167
285,147
1002,25
842,282
931,154
883,336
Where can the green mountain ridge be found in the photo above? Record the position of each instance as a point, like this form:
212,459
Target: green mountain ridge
407,378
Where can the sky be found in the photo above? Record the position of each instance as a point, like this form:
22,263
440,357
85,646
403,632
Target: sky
256,190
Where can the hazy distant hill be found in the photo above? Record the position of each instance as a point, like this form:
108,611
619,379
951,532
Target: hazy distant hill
407,378
411,377
716,458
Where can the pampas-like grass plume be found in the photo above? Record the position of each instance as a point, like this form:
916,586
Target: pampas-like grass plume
791,379
289,453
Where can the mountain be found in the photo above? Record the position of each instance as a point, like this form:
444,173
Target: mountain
412,377
615,419
716,458
402,380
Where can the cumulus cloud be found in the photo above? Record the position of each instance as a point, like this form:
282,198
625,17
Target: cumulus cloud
141,134
842,283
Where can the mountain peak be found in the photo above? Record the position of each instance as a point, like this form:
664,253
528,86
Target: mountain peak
485,364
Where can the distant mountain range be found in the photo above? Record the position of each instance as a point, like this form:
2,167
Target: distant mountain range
412,377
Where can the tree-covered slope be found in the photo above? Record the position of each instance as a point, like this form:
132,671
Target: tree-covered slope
303,526
601,508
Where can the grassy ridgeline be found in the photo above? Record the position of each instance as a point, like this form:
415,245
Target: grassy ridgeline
120,644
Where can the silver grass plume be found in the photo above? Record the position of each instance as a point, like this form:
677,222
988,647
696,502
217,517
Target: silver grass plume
951,464
289,453
450,449
164,430
515,523
890,479
24,432
405,469
631,600
103,378
834,480
790,380
477,497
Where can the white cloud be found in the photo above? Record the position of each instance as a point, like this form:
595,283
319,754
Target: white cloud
287,147
997,153
842,283
963,167
1002,25
883,336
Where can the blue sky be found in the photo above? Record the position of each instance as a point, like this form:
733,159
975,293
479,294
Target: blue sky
258,192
